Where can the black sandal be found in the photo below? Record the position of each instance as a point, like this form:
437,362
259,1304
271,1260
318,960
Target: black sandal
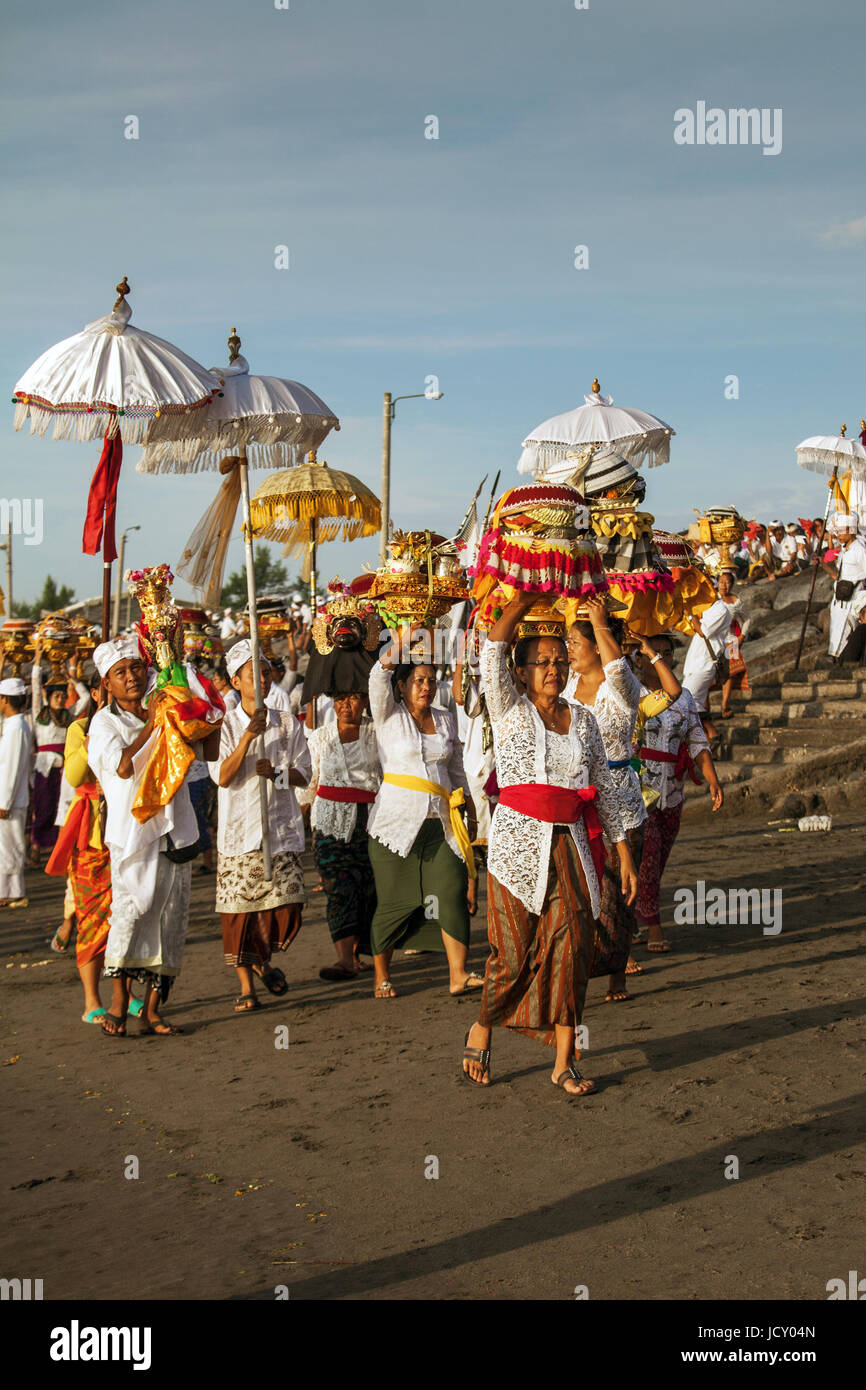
115,1031
571,1073
466,988
273,980
474,1054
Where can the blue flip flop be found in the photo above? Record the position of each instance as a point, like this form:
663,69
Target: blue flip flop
94,1015
135,1007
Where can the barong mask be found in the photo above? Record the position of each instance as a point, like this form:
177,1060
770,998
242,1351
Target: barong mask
348,621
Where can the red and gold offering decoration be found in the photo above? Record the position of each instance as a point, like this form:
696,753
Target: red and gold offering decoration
694,591
349,619
539,542
65,639
201,641
721,526
189,707
420,580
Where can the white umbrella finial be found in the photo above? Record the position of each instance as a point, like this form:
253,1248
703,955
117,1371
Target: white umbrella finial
122,291
234,346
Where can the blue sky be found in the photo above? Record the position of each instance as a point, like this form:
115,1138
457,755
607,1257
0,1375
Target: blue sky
452,257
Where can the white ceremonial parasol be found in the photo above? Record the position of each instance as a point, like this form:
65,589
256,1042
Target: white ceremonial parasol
832,453
828,453
640,437
254,419
112,378
275,420
115,382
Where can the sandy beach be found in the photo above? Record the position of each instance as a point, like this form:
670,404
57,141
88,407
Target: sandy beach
303,1168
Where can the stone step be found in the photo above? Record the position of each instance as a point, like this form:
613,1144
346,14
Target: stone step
757,753
823,690
802,735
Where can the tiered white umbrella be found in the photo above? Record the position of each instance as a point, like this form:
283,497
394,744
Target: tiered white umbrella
263,420
274,419
564,445
117,382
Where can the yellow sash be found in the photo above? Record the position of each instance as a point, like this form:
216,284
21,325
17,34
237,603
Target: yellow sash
455,800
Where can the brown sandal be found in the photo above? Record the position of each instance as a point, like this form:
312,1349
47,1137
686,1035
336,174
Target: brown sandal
247,1003
481,1055
572,1074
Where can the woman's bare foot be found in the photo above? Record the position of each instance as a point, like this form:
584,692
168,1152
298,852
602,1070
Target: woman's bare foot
477,1066
632,967
656,941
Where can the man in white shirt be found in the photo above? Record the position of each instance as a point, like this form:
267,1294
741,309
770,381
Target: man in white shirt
258,915
16,744
849,573
150,890
783,548
228,626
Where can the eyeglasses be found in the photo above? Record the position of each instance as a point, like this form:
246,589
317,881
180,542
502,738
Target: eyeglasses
550,665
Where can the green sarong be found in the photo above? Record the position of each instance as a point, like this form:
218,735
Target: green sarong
419,897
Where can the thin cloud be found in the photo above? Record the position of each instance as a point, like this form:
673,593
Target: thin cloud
846,233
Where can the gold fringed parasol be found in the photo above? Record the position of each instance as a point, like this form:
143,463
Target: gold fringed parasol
286,503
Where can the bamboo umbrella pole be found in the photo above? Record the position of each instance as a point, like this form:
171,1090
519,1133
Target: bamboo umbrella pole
311,712
240,461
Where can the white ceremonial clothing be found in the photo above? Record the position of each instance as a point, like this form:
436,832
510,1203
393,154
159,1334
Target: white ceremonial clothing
518,852
239,815
278,699
336,764
851,565
135,848
16,743
615,710
699,669
398,812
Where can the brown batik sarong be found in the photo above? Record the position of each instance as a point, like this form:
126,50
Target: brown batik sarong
539,964
615,924
249,938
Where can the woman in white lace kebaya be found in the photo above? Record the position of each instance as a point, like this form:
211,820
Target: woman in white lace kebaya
346,777
545,855
603,681
419,848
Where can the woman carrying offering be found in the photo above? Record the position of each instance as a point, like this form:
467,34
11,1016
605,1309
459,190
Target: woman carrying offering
674,742
603,681
420,850
345,779
546,852
258,915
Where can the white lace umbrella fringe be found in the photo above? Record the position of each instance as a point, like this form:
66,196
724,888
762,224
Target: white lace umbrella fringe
89,425
648,451
278,445
818,462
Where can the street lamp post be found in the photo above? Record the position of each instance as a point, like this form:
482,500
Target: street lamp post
120,577
7,546
388,410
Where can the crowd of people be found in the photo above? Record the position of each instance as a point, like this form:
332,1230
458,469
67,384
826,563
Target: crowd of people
554,763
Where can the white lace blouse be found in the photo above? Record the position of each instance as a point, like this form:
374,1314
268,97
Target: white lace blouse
398,813
518,852
337,764
615,710
665,732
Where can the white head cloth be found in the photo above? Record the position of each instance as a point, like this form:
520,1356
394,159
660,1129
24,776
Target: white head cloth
843,522
119,649
238,656
13,685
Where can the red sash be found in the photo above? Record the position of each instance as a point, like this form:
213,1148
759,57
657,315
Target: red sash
345,794
561,806
75,829
682,761
50,747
